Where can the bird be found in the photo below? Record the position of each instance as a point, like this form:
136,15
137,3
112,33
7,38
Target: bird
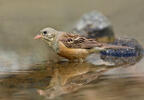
73,46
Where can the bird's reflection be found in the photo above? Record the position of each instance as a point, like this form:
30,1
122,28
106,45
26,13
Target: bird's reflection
52,79
68,77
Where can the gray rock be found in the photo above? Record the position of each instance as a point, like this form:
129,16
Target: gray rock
95,25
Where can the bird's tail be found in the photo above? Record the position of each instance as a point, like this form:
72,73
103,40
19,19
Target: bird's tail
108,49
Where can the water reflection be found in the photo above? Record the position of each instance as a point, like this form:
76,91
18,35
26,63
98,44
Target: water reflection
83,81
51,80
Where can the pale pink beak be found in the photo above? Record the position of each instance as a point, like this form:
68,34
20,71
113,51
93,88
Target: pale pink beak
37,36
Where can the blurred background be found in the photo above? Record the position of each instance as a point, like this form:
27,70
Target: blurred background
21,20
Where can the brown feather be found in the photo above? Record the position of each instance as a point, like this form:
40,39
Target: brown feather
77,41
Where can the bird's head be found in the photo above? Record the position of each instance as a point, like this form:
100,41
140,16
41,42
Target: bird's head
47,34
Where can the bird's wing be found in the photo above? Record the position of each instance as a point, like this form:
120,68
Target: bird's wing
77,41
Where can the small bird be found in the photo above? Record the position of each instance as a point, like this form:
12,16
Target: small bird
73,46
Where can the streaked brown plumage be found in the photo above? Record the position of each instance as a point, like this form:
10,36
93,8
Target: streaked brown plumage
72,46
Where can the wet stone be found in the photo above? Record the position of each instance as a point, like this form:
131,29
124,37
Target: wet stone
94,25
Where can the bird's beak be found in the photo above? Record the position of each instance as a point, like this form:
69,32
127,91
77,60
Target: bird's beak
37,36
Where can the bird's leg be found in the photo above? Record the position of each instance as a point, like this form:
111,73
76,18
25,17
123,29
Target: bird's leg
71,60
80,60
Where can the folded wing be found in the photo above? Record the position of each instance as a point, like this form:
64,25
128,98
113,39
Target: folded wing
77,41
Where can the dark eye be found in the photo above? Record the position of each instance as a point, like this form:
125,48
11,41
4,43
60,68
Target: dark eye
45,32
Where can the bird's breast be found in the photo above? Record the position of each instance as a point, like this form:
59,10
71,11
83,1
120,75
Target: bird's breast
71,53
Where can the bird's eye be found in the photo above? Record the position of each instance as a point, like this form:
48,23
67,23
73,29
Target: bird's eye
45,32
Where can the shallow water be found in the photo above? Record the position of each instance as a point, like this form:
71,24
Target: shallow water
26,71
